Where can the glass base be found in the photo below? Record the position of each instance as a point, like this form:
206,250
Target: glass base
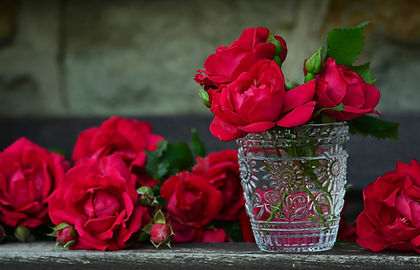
301,236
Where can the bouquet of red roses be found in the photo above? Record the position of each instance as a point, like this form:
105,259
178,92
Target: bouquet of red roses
291,141
245,88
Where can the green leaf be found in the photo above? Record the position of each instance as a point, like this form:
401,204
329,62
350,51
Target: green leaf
371,126
344,45
57,151
196,144
178,157
364,72
153,165
168,159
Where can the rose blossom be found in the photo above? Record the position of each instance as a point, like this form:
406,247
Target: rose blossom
28,175
98,197
192,203
127,138
337,84
257,100
391,215
215,235
160,234
66,235
221,170
227,63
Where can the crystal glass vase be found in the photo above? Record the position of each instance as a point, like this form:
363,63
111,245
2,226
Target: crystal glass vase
294,185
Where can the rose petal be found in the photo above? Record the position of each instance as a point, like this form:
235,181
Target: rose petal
298,116
299,95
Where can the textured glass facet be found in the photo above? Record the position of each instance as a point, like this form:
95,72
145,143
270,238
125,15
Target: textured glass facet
294,184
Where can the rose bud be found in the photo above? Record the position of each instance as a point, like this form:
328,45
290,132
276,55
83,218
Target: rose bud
160,234
66,237
146,196
2,233
22,233
314,63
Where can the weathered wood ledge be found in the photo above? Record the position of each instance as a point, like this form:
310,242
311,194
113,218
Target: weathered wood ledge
43,255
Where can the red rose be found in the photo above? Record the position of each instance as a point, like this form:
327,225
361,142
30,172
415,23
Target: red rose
28,176
346,232
98,197
257,100
215,235
246,229
228,63
337,84
192,203
391,215
221,170
126,138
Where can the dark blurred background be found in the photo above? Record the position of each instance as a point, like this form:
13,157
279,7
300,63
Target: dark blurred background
66,65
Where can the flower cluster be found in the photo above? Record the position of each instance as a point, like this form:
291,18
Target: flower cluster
112,196
211,192
244,86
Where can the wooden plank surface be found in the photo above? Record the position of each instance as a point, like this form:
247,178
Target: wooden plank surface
42,255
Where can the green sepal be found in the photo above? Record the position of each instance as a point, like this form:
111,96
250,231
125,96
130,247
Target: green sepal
338,108
159,217
309,77
145,190
371,126
364,72
277,59
57,228
204,97
147,228
147,196
143,236
291,84
276,43
22,233
196,144
315,62
70,243
344,45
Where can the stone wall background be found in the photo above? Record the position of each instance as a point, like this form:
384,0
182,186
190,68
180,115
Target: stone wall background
97,58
